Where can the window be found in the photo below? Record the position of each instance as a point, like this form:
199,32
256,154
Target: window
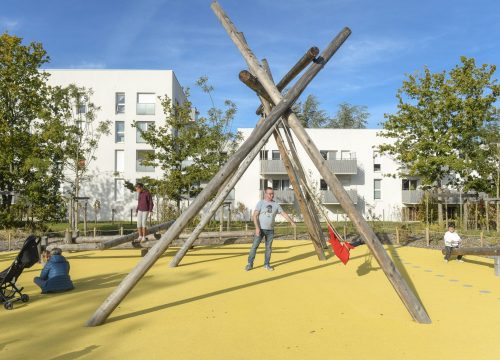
263,184
142,155
119,131
264,154
281,184
119,161
409,184
324,154
323,185
376,189
141,126
276,155
119,189
377,167
120,103
345,155
332,155
81,109
145,104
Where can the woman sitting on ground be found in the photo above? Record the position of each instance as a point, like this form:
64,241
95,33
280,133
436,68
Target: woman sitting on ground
55,274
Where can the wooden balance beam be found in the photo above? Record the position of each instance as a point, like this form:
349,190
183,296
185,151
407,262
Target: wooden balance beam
480,251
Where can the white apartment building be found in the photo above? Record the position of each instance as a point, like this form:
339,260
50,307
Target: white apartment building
124,96
352,156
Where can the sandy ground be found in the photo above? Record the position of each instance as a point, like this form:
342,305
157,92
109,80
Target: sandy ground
210,308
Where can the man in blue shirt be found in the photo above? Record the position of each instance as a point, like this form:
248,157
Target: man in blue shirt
263,218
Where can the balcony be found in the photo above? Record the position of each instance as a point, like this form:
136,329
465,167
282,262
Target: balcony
272,167
339,167
284,196
327,197
145,109
415,197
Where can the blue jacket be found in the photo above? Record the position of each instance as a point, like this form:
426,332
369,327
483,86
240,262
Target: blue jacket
56,275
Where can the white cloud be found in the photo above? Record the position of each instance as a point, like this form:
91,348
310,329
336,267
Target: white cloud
8,24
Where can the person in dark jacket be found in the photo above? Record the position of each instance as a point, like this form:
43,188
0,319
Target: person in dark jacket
55,274
143,210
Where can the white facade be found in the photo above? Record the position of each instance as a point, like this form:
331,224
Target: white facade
124,96
352,155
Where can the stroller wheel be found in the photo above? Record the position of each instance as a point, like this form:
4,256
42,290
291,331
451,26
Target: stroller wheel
25,298
8,306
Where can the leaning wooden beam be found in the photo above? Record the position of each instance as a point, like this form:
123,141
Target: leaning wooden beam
410,300
294,71
261,132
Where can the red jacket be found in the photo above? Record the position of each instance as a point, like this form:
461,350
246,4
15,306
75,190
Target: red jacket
145,201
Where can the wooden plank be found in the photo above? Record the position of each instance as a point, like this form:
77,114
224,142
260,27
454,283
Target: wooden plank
402,288
263,131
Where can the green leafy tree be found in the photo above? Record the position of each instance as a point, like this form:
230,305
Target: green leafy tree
349,117
31,132
309,113
446,126
189,151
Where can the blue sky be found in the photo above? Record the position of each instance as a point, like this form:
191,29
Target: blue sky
390,38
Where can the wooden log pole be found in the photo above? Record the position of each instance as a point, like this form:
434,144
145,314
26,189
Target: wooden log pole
294,71
263,131
402,288
130,237
480,251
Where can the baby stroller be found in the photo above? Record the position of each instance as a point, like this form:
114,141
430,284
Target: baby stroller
27,257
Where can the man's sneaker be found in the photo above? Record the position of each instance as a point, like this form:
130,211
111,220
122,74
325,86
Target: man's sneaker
445,260
248,267
460,260
268,267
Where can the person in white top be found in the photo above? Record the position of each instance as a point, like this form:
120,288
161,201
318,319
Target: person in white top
451,240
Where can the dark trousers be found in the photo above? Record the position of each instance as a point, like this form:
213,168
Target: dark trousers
41,283
447,250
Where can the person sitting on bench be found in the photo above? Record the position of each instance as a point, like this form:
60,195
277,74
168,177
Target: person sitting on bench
55,274
451,240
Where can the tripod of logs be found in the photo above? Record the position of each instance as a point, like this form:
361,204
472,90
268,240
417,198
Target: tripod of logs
275,106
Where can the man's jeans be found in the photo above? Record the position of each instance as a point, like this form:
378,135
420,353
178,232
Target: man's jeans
447,250
268,234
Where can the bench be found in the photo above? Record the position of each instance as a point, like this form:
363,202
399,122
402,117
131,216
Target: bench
480,251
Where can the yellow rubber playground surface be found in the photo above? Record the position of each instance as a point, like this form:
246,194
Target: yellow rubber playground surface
210,308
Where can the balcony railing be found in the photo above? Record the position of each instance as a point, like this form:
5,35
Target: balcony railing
284,196
415,197
340,167
327,196
145,109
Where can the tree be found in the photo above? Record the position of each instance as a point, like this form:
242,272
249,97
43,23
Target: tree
189,151
81,140
349,117
444,124
309,113
31,132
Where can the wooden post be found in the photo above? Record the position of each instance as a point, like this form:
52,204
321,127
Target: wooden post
263,131
427,236
9,237
345,233
476,216
397,236
121,230
131,216
481,238
486,203
68,238
95,232
411,302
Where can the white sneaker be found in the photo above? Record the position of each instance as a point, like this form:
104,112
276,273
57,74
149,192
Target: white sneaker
445,260
460,260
